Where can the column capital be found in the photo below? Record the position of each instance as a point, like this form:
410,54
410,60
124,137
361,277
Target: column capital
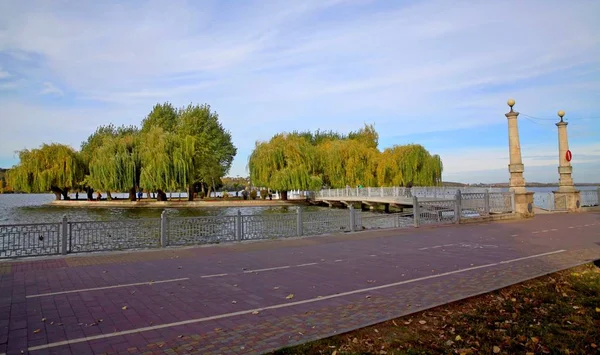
561,123
511,114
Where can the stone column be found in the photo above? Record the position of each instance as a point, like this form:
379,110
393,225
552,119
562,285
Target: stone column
523,199
566,198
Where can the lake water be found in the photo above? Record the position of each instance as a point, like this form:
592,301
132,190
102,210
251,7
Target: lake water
34,208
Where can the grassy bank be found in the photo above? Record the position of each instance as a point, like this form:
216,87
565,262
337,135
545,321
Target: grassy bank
556,314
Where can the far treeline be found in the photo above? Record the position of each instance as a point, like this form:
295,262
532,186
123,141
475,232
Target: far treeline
175,149
311,161
187,148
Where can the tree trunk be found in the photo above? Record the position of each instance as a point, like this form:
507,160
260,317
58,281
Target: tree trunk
283,196
65,193
57,192
108,196
208,193
161,195
190,192
90,193
132,196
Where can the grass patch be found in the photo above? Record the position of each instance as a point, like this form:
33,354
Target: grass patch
555,314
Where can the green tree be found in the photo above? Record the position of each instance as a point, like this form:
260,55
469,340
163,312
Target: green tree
116,165
164,116
285,163
52,167
213,148
89,152
167,161
409,164
348,162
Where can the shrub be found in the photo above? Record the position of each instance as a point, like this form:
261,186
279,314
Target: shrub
264,193
225,194
253,194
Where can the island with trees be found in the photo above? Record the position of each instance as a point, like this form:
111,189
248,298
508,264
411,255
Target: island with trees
188,149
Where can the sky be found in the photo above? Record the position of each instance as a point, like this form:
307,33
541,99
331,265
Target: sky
437,73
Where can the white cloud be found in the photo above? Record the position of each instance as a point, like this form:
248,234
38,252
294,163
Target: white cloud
50,88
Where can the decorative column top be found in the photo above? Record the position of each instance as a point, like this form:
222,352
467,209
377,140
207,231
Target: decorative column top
511,103
561,113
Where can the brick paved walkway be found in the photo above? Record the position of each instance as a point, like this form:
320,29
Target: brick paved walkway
257,297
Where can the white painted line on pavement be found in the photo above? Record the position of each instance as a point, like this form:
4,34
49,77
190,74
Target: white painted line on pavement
107,287
267,269
215,275
338,260
307,264
276,306
532,256
437,246
514,235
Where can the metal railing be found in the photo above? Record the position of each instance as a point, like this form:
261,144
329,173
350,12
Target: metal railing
74,237
551,202
20,240
590,197
441,193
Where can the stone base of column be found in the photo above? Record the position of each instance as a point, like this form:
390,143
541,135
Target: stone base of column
524,204
567,201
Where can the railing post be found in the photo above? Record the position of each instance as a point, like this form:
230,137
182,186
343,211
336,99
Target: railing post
299,221
352,218
486,202
368,191
238,226
416,211
64,235
164,241
457,207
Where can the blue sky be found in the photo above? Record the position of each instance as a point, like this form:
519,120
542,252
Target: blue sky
431,72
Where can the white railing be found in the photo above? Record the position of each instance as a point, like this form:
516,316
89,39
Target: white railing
444,193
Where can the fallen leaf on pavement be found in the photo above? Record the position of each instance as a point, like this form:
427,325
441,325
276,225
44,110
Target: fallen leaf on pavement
276,288
422,322
255,312
458,338
37,331
124,307
234,302
496,349
290,296
43,319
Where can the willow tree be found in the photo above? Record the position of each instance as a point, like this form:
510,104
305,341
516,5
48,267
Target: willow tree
213,147
90,150
116,166
52,167
284,163
409,165
167,161
348,162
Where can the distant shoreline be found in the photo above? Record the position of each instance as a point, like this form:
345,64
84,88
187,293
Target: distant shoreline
176,204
